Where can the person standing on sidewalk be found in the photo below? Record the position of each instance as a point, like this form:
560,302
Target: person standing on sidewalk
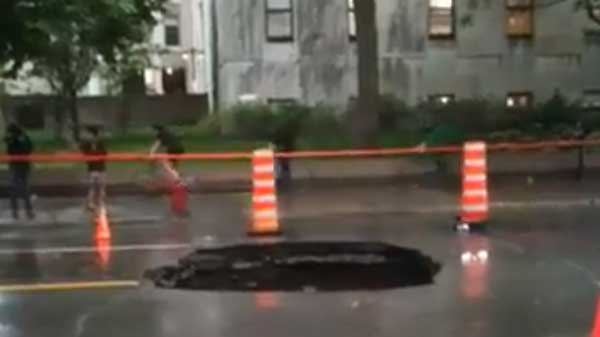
94,146
18,143
579,134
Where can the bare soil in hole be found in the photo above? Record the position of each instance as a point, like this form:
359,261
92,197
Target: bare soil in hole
299,266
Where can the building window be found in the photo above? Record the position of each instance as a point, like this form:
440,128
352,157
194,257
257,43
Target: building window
519,18
519,100
441,18
351,21
441,99
171,35
591,99
171,22
279,20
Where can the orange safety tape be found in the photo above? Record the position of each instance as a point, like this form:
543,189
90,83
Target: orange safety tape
132,157
123,157
369,152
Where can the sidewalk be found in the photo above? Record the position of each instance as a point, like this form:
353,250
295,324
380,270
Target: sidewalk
235,176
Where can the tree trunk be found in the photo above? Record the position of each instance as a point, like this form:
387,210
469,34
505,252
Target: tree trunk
73,114
59,118
364,116
124,114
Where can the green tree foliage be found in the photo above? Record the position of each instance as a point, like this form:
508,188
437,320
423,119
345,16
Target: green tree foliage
21,36
66,40
591,7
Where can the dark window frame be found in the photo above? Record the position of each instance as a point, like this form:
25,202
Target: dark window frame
516,94
269,11
175,28
510,9
438,36
586,92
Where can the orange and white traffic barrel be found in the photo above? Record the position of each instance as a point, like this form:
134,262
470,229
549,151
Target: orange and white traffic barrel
474,199
265,220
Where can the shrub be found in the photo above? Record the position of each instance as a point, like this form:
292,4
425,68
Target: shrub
590,119
323,128
279,124
252,121
287,122
209,126
509,135
394,113
556,111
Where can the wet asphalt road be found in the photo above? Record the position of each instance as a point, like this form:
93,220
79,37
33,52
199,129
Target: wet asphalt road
541,277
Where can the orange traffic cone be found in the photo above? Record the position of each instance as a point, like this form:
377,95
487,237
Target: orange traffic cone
596,330
474,199
266,300
103,249
264,196
102,225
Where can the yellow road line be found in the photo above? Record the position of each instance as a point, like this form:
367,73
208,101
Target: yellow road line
67,286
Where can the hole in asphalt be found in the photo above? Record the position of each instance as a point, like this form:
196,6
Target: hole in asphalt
297,266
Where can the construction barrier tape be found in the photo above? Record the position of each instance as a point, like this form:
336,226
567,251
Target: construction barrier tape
418,150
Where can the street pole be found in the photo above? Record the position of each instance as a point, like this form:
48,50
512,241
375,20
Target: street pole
207,50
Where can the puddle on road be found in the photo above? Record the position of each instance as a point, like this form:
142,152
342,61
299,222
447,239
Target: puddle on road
299,266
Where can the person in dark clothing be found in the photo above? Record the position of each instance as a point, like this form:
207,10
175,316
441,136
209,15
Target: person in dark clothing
579,134
94,146
18,143
168,141
171,144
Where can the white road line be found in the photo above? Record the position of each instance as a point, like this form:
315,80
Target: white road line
91,249
583,270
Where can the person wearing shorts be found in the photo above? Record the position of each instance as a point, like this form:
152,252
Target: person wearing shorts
94,146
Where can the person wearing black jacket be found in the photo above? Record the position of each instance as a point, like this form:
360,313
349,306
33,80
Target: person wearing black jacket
171,144
94,146
18,143
168,141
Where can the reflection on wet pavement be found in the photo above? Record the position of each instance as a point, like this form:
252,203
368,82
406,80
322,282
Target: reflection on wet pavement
513,281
